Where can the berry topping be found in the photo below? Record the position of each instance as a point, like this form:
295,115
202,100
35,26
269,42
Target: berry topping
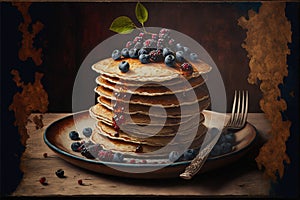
171,42
116,54
160,43
149,43
116,134
167,51
154,36
75,146
156,55
189,154
129,44
138,45
179,47
133,53
170,60
43,181
86,153
193,56
186,51
141,35
118,157
144,58
74,135
187,68
139,149
87,132
174,156
124,66
137,39
105,155
180,56
60,173
125,52
143,51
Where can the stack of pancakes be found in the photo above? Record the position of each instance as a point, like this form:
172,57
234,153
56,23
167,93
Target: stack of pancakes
150,107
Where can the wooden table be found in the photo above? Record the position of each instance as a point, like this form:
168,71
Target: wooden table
240,178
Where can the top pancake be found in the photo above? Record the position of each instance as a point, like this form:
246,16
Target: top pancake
155,72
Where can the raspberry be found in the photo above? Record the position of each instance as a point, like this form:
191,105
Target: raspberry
80,182
43,181
156,56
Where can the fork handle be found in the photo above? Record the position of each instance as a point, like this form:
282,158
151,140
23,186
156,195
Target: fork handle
194,167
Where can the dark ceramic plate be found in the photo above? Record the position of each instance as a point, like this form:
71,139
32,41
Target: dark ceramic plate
56,136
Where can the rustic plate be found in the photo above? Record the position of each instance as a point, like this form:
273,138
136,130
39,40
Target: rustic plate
56,136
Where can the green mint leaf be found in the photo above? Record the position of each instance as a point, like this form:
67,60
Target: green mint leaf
122,25
141,13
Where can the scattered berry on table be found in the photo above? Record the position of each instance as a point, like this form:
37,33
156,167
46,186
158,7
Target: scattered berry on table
74,135
87,132
174,156
45,155
80,182
43,181
124,66
116,54
118,157
125,52
170,60
75,146
60,173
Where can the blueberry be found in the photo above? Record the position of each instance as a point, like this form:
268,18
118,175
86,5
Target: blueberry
144,58
222,139
143,51
216,151
193,56
179,47
167,51
125,52
229,137
186,51
174,156
60,173
87,132
74,135
75,146
226,147
118,157
133,53
116,54
124,66
86,153
189,154
180,56
170,60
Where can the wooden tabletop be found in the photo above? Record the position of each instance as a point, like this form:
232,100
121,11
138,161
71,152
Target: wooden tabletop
241,178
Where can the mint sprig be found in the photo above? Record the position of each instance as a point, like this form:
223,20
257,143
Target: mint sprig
124,25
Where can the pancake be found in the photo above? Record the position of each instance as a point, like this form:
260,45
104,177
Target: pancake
181,137
169,100
152,90
156,72
100,112
129,149
172,112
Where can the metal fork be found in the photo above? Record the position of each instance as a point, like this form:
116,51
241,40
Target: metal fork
237,121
